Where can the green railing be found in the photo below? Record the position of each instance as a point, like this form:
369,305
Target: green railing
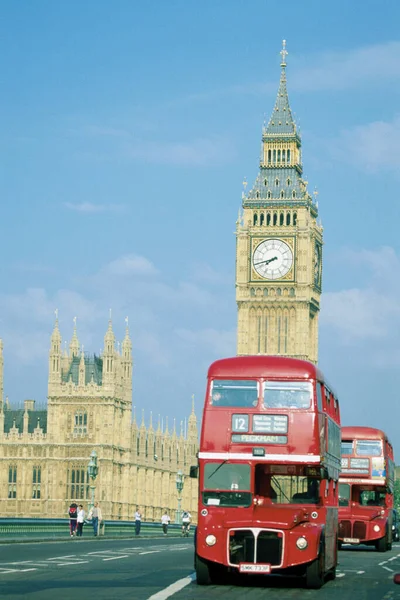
20,528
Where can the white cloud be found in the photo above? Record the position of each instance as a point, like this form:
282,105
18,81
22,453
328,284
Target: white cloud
372,147
372,312
349,69
91,208
130,264
219,343
201,152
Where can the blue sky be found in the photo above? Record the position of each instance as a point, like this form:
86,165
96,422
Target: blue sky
126,130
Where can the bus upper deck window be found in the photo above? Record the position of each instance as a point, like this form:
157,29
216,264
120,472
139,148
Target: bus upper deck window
239,393
287,394
368,448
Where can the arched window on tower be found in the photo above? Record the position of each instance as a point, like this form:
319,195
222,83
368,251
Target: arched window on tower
283,156
275,219
281,218
265,181
262,219
80,422
288,218
269,194
288,181
257,194
294,194
274,156
276,181
294,218
282,194
279,156
269,156
268,218
255,219
288,155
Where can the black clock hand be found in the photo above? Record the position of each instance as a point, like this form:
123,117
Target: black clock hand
269,260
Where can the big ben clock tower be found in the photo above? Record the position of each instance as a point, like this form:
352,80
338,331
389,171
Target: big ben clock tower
279,247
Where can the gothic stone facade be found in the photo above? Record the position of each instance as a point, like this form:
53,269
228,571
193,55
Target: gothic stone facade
44,454
279,247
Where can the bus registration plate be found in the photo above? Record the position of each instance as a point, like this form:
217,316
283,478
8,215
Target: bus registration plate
351,541
252,568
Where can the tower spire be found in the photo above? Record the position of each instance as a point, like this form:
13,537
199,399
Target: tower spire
281,121
74,344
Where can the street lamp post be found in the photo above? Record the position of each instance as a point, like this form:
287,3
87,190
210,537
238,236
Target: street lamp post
93,470
179,480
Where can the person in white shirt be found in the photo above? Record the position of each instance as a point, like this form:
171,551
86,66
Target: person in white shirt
80,520
186,519
138,521
165,520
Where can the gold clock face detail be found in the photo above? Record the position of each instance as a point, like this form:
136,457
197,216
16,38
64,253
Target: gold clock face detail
272,259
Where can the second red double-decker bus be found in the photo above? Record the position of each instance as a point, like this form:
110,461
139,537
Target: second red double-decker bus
366,488
269,464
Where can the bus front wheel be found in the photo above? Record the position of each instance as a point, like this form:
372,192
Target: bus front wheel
315,572
382,544
202,571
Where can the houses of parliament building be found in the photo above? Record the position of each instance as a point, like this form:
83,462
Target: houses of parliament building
44,453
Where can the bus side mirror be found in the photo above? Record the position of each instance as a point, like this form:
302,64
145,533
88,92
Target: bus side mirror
194,472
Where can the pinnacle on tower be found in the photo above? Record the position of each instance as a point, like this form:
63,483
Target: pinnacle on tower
74,343
281,121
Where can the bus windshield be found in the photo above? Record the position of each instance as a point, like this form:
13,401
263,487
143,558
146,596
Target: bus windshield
287,394
234,392
226,484
294,489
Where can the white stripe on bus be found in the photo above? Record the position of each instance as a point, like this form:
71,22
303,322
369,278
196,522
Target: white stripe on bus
307,458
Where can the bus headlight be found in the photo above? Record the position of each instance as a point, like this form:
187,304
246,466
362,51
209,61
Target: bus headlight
301,543
211,540
377,528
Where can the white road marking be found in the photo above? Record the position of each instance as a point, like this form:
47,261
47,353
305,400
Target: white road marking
387,569
173,588
79,562
61,557
360,572
340,574
117,557
393,558
26,570
149,552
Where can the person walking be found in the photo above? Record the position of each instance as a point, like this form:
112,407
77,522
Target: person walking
80,521
138,521
72,513
165,520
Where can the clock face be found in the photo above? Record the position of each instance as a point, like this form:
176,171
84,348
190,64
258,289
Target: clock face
272,259
317,265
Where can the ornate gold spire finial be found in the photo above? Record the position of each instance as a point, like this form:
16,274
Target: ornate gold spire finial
56,314
283,53
245,182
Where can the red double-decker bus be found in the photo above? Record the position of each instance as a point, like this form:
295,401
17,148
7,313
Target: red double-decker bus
269,464
366,487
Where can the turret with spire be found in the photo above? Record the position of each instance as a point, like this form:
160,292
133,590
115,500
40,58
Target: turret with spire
280,175
126,362
55,354
279,246
74,343
109,354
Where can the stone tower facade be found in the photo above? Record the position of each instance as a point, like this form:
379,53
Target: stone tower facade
279,247
44,453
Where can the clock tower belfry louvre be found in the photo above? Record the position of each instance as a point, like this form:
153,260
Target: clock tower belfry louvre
279,247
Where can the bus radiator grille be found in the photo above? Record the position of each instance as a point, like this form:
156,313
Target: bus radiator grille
345,529
359,530
242,547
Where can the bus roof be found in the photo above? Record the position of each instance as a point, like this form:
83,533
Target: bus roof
362,433
264,366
